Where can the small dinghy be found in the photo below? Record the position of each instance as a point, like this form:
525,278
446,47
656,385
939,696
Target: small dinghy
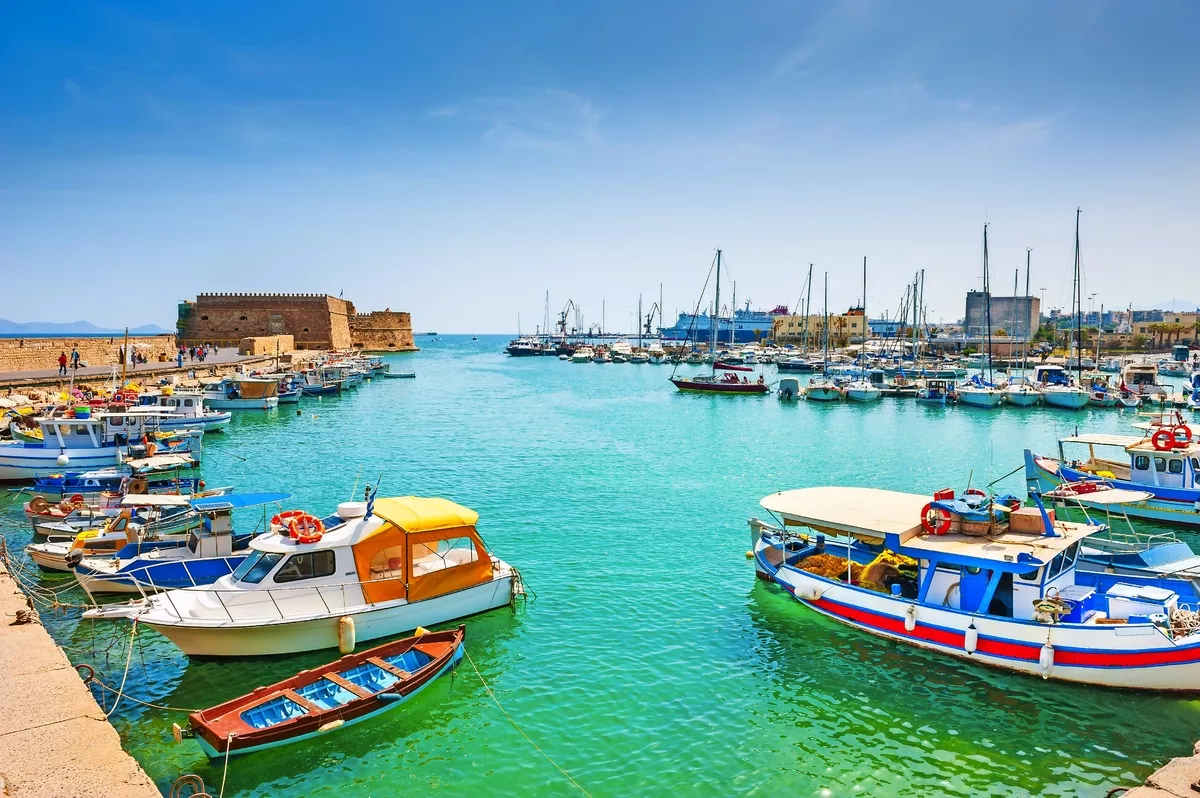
313,702
400,375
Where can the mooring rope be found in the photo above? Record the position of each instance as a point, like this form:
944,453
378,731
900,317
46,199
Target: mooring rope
520,731
124,676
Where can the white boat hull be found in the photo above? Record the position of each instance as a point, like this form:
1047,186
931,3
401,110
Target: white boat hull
226,639
863,394
265,403
20,462
823,394
1070,400
1137,657
986,399
1022,398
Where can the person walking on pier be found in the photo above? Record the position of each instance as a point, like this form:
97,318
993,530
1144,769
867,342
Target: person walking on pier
62,364
74,358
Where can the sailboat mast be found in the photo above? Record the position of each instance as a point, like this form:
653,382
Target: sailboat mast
716,314
863,350
807,308
1078,305
825,326
1029,332
639,321
987,305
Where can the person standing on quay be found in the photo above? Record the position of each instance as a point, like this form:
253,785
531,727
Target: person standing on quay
75,358
62,364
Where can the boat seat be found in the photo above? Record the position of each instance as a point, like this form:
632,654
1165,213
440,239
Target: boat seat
389,667
433,650
347,685
370,677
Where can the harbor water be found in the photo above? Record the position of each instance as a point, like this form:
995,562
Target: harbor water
647,659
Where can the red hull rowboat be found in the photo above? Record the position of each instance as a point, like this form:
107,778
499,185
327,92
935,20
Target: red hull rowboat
327,697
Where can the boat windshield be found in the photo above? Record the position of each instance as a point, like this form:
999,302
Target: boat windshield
256,566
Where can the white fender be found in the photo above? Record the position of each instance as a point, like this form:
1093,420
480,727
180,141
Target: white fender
971,639
345,634
808,593
1046,660
910,618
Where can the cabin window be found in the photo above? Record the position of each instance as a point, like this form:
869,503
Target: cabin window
442,554
1175,466
255,567
388,563
81,429
1056,565
310,565
1031,576
1195,464
188,402
1141,463
116,421
104,544
1160,464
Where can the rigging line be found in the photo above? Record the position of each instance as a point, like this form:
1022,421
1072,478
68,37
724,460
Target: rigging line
518,728
696,311
1006,476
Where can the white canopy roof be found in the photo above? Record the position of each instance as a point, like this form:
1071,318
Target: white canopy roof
1100,439
858,511
154,500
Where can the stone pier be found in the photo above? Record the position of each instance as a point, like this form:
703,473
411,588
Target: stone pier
54,739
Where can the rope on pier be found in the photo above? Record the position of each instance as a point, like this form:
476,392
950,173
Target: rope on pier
125,676
521,732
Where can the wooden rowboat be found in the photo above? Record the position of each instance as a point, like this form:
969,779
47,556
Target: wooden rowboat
323,699
400,375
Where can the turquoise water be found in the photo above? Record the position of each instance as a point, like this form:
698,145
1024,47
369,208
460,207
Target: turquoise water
650,661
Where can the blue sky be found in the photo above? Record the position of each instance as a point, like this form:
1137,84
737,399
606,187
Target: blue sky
458,160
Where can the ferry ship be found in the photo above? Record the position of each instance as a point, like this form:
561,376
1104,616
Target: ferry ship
746,326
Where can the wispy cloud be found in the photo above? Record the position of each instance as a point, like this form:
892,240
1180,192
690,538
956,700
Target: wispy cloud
825,40
537,119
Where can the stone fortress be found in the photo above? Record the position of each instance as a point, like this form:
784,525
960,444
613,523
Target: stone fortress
313,321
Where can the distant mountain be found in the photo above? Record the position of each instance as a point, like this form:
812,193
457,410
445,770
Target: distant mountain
71,328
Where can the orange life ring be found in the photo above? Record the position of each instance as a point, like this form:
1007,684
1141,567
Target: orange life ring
935,520
1163,440
1182,434
281,519
306,528
974,492
77,500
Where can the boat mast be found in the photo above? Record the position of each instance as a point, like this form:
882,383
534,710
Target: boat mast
1028,331
1078,305
807,308
639,321
862,352
716,315
987,306
921,309
825,328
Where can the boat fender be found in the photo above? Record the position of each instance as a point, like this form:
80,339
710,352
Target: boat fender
910,618
389,698
330,726
345,634
807,593
1046,660
176,732
971,639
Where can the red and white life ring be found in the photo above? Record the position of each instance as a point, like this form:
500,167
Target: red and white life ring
1163,440
306,528
935,520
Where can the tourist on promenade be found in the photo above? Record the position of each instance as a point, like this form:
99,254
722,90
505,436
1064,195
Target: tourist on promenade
74,358
62,364
179,358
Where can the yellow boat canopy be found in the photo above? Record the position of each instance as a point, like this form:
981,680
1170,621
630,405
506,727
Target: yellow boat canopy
428,547
416,514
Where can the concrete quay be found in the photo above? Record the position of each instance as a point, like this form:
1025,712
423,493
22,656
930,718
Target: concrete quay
1179,778
54,739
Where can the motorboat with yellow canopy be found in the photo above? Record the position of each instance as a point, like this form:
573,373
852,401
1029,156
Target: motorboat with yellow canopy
979,579
372,569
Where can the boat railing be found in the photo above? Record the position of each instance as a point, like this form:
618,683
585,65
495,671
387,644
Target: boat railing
287,603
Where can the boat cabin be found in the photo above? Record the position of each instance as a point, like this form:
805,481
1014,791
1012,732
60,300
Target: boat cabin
1141,378
1144,463
97,431
391,549
1047,374
243,388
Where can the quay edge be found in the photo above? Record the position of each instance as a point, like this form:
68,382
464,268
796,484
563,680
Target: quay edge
54,739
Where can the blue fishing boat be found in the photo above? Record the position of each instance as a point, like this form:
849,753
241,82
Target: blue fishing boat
984,582
213,550
1164,465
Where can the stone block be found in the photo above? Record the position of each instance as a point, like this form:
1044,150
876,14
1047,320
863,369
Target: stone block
77,758
1177,776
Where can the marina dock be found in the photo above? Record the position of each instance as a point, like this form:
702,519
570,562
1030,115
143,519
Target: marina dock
55,741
